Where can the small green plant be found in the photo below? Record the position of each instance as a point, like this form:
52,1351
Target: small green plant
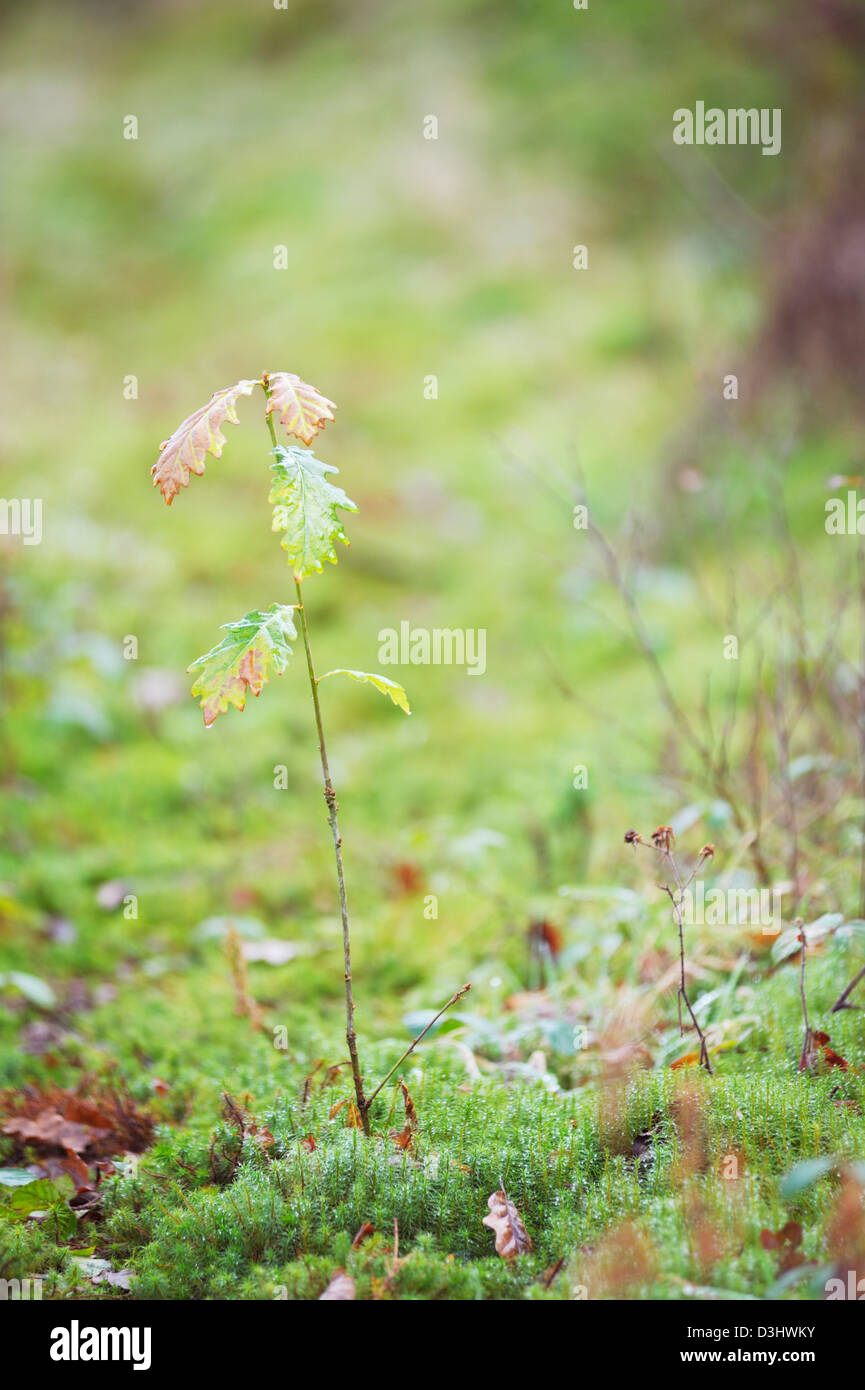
306,506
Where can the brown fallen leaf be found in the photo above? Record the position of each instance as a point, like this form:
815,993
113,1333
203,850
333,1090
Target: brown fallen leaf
786,1242
77,1170
366,1230
404,1138
831,1058
549,1276
407,877
53,1129
340,1289
308,1143
545,937
512,1238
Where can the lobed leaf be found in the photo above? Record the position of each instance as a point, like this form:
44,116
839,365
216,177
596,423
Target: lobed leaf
382,683
302,409
512,1238
305,504
198,435
254,647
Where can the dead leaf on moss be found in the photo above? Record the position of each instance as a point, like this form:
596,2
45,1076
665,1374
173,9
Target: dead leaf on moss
366,1230
512,1238
341,1289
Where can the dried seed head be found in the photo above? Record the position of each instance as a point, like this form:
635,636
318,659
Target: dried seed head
633,837
663,837
707,852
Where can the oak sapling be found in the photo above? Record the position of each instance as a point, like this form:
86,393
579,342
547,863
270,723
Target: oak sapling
661,841
305,504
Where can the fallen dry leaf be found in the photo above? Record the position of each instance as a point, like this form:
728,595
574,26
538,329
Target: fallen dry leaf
55,1131
366,1230
549,1276
102,1123
408,1103
340,1289
786,1242
512,1238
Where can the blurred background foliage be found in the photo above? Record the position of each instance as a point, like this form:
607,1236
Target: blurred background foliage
409,258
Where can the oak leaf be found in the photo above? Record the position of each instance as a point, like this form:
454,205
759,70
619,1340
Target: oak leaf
56,1130
254,648
198,435
305,504
512,1238
302,410
382,683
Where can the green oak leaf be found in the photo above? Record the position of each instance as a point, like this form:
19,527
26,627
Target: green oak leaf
255,647
382,683
305,503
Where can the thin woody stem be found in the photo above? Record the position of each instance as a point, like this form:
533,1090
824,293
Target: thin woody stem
808,1035
333,822
677,899
411,1047
841,1001
683,992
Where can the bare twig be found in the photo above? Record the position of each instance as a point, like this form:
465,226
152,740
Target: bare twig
841,1001
808,1035
411,1047
662,842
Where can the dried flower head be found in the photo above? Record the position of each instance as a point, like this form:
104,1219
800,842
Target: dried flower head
663,837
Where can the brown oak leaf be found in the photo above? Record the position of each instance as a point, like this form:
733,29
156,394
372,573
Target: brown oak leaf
198,435
512,1238
302,409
